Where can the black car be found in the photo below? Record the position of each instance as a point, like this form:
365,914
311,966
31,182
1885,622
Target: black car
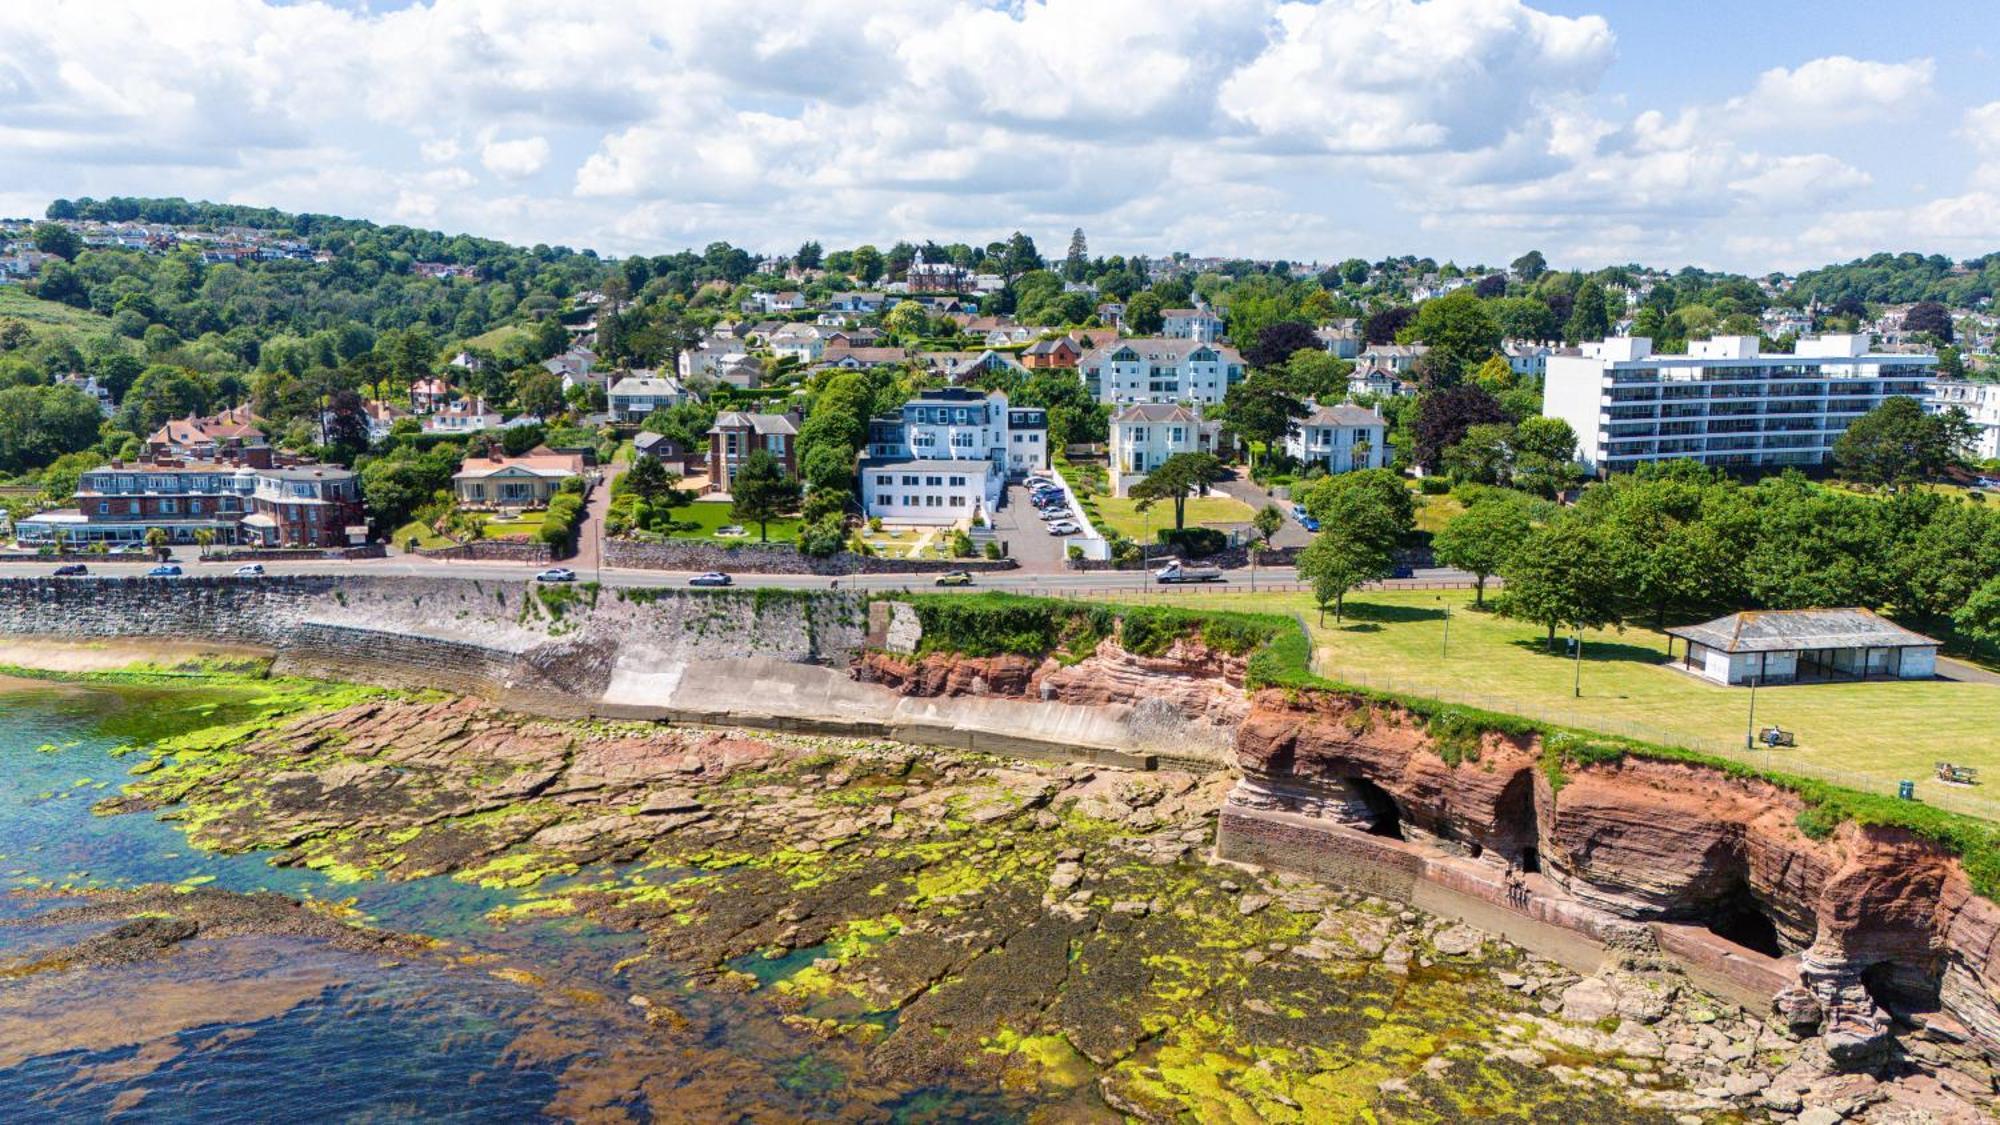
71,570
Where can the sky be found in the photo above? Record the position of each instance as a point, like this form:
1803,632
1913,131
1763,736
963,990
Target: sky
1773,136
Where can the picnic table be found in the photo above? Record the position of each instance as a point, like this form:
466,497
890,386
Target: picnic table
1777,736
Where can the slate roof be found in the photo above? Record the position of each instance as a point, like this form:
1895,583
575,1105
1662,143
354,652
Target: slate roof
1787,630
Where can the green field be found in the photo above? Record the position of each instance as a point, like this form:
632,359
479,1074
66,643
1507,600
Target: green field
1123,515
525,523
16,304
1866,735
494,339
422,533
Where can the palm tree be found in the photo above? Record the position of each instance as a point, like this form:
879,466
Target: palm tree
156,541
202,539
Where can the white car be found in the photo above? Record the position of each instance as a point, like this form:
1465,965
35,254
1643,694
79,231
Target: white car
712,578
250,570
1063,527
556,574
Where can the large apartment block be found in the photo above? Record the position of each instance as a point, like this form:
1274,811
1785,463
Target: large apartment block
299,506
947,455
1161,369
1724,402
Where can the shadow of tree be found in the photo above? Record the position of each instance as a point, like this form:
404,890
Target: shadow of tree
1594,652
1392,614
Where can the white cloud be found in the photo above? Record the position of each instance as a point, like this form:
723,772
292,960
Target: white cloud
1832,92
1466,128
515,159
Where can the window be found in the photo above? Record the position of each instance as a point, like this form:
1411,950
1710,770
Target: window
132,506
194,507
931,501
104,507
958,501
958,482
884,480
934,482
911,482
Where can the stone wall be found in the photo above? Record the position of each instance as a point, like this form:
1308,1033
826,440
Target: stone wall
494,550
774,558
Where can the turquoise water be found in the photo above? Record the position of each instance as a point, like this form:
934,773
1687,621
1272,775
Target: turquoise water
266,1028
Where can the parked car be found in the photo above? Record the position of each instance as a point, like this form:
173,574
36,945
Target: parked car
556,574
1309,523
164,570
955,578
1063,527
1402,572
250,570
712,578
1054,514
72,570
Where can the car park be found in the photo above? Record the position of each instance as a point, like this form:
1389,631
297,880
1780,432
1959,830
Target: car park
712,578
72,570
250,570
556,574
164,570
955,578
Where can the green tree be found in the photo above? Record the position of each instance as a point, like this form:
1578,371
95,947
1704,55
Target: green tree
1143,314
1979,617
1897,443
1530,266
1353,547
906,321
1178,477
1561,577
1459,328
867,264
1324,498
762,493
1482,538
1589,317
1076,266
1542,456
54,238
157,540
1261,410
1267,522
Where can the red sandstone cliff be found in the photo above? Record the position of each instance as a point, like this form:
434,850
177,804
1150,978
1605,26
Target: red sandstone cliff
1875,914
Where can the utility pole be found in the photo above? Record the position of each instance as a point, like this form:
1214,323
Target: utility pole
1750,729
1447,628
1578,686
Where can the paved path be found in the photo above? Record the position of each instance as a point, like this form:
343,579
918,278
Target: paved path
1241,487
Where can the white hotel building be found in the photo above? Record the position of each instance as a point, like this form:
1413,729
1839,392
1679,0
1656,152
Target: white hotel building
1723,403
948,454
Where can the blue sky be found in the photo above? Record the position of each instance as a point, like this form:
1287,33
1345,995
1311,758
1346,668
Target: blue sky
1749,137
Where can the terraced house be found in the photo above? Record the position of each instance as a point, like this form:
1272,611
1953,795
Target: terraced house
1161,369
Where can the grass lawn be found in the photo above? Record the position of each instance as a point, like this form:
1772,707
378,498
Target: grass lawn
526,523
424,536
1433,512
16,304
897,543
1866,735
1123,515
494,339
712,515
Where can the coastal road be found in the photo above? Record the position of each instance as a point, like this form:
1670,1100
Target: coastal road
1067,582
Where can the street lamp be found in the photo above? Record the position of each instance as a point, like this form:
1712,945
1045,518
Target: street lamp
1446,648
1750,728
1577,688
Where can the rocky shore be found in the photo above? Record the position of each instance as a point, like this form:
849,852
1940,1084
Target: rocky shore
1058,936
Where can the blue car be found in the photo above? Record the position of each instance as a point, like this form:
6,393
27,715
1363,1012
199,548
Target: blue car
165,570
1309,523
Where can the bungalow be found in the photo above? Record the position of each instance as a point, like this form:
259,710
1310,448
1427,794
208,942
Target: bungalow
1793,645
527,481
636,396
859,359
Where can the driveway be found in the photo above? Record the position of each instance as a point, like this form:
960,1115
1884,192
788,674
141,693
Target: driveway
1028,541
1241,487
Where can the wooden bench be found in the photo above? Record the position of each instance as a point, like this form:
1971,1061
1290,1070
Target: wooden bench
1777,736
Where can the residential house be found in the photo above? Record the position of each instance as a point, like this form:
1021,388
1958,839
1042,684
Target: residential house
1399,358
1527,359
1003,335
671,454
1342,339
860,358
1340,439
1145,434
236,503
853,338
232,433
1783,646
1190,324
965,367
860,304
936,277
1161,369
736,434
576,361
1377,381
636,396
1057,352
1111,313
382,418
462,416
1724,402
427,395
805,347
492,480
88,385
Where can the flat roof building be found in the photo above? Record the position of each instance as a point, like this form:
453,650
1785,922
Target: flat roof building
1724,402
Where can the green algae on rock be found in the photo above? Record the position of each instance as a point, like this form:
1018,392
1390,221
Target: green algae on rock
948,920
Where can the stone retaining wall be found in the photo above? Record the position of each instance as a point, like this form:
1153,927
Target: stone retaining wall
493,550
774,558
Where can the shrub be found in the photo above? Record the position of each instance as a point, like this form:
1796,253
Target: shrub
560,522
1075,553
1434,486
875,523
961,545
1194,542
571,486
821,538
993,550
